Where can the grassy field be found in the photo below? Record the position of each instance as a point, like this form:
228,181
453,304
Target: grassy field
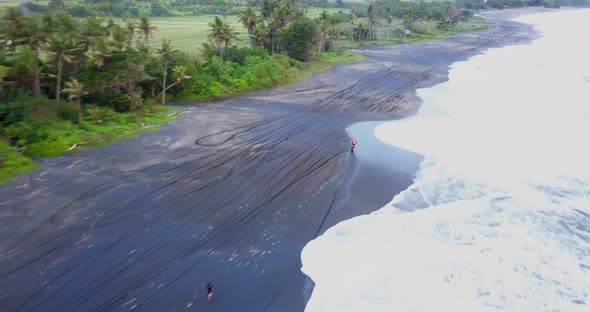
6,3
190,32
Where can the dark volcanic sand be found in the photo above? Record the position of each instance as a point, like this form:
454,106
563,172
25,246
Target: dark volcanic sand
229,193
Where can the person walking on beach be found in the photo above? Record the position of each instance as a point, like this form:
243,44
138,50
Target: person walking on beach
209,290
353,145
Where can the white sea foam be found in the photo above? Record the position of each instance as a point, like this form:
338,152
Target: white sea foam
499,215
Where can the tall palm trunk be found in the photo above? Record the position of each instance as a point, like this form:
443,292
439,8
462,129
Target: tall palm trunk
58,85
79,108
36,74
272,42
164,82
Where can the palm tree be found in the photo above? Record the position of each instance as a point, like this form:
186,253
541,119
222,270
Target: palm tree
34,35
119,37
3,74
48,21
389,21
324,20
92,30
334,34
351,18
230,36
146,28
360,29
100,52
165,51
249,19
259,36
130,33
266,8
94,27
221,34
12,26
142,47
408,20
65,22
76,90
371,20
180,75
61,50
284,13
25,66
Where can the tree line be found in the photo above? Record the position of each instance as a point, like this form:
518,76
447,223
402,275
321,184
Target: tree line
136,8
38,51
85,71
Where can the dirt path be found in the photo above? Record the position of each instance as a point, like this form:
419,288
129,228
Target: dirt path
229,193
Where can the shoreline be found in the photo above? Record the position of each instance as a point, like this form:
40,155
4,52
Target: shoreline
401,173
473,222
230,192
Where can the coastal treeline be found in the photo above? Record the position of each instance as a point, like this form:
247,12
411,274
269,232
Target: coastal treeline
69,82
137,8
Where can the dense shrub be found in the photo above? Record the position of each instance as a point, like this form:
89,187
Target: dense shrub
79,10
118,101
298,39
157,9
25,133
12,113
239,55
25,109
243,70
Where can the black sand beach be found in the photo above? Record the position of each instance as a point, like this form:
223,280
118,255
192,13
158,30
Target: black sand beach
229,193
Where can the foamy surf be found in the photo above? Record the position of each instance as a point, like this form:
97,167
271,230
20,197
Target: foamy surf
499,215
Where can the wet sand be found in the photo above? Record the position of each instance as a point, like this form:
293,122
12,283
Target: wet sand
230,192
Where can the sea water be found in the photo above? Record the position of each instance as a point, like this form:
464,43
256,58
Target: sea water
498,217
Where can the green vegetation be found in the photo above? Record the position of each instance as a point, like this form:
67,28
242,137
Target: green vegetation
47,128
341,57
38,127
13,164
